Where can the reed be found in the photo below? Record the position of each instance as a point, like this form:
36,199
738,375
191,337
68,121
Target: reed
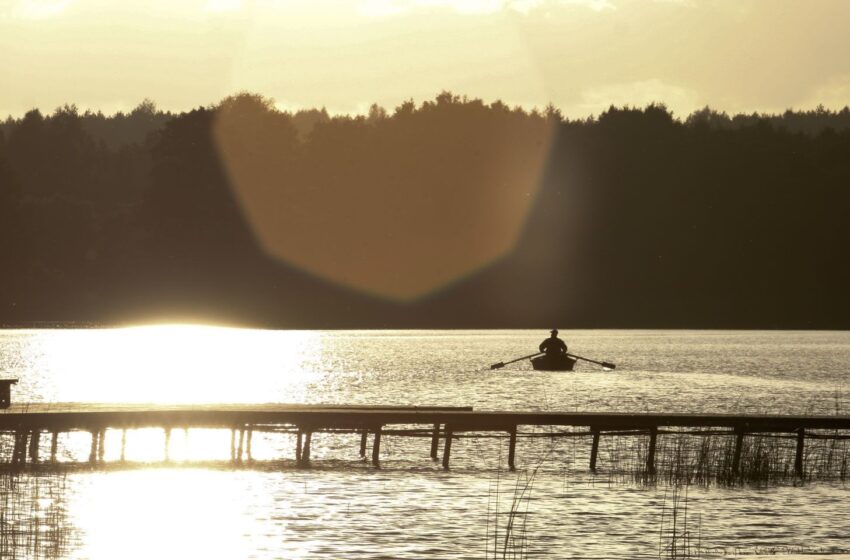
506,534
706,457
33,516
678,536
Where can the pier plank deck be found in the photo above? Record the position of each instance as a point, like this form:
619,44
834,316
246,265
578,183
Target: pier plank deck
86,415
26,421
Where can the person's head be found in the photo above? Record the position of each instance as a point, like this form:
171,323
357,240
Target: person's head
554,332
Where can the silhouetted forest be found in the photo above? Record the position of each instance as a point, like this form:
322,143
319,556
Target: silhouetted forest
449,213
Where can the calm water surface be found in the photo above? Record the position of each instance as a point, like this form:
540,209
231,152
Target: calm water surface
197,507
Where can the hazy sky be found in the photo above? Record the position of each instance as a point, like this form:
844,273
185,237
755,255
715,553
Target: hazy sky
582,55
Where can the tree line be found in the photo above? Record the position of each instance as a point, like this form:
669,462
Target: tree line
448,213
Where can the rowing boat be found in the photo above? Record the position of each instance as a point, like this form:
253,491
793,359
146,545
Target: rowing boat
553,363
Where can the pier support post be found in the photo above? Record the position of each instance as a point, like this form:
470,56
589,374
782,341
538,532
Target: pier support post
101,444
736,457
93,451
376,446
447,450
594,448
54,445
305,451
798,459
19,452
233,444
35,440
298,439
240,449
435,441
512,448
123,444
25,438
168,444
250,436
650,455
363,436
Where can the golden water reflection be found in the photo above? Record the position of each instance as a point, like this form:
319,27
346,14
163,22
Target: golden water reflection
164,513
176,364
170,364
409,508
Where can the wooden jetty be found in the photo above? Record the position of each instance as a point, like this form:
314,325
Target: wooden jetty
26,423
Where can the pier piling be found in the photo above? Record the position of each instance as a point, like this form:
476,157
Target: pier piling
250,437
594,448
650,455
376,446
54,444
298,446
93,450
798,459
101,444
20,449
167,444
123,444
363,437
35,440
512,448
736,457
435,441
241,448
447,450
305,451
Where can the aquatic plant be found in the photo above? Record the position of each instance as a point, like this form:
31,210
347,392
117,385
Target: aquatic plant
33,516
512,541
678,538
706,457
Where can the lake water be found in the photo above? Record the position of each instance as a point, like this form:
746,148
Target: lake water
199,507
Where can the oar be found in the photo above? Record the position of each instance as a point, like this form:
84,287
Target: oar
503,364
607,365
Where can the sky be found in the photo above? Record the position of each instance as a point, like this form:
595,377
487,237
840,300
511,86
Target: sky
580,55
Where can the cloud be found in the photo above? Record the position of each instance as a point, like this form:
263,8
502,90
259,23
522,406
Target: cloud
223,6
832,94
595,5
385,8
34,9
380,8
680,100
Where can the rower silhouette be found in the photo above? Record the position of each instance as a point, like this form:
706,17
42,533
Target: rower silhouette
553,346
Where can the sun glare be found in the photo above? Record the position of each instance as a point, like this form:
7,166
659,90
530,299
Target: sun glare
178,364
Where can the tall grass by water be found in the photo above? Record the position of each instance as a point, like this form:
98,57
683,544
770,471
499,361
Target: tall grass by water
33,516
706,457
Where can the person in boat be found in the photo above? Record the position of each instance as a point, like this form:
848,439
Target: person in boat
553,346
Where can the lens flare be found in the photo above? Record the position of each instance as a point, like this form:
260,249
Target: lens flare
395,206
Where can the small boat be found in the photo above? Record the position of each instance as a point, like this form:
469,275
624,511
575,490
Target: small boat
553,363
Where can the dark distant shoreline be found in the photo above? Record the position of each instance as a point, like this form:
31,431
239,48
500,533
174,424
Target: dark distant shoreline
449,214
56,325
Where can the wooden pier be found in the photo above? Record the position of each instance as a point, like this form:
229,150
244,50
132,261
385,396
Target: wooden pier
27,423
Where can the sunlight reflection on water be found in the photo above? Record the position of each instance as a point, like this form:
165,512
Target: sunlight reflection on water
343,508
168,506
175,363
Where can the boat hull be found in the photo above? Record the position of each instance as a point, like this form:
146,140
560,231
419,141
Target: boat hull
553,363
